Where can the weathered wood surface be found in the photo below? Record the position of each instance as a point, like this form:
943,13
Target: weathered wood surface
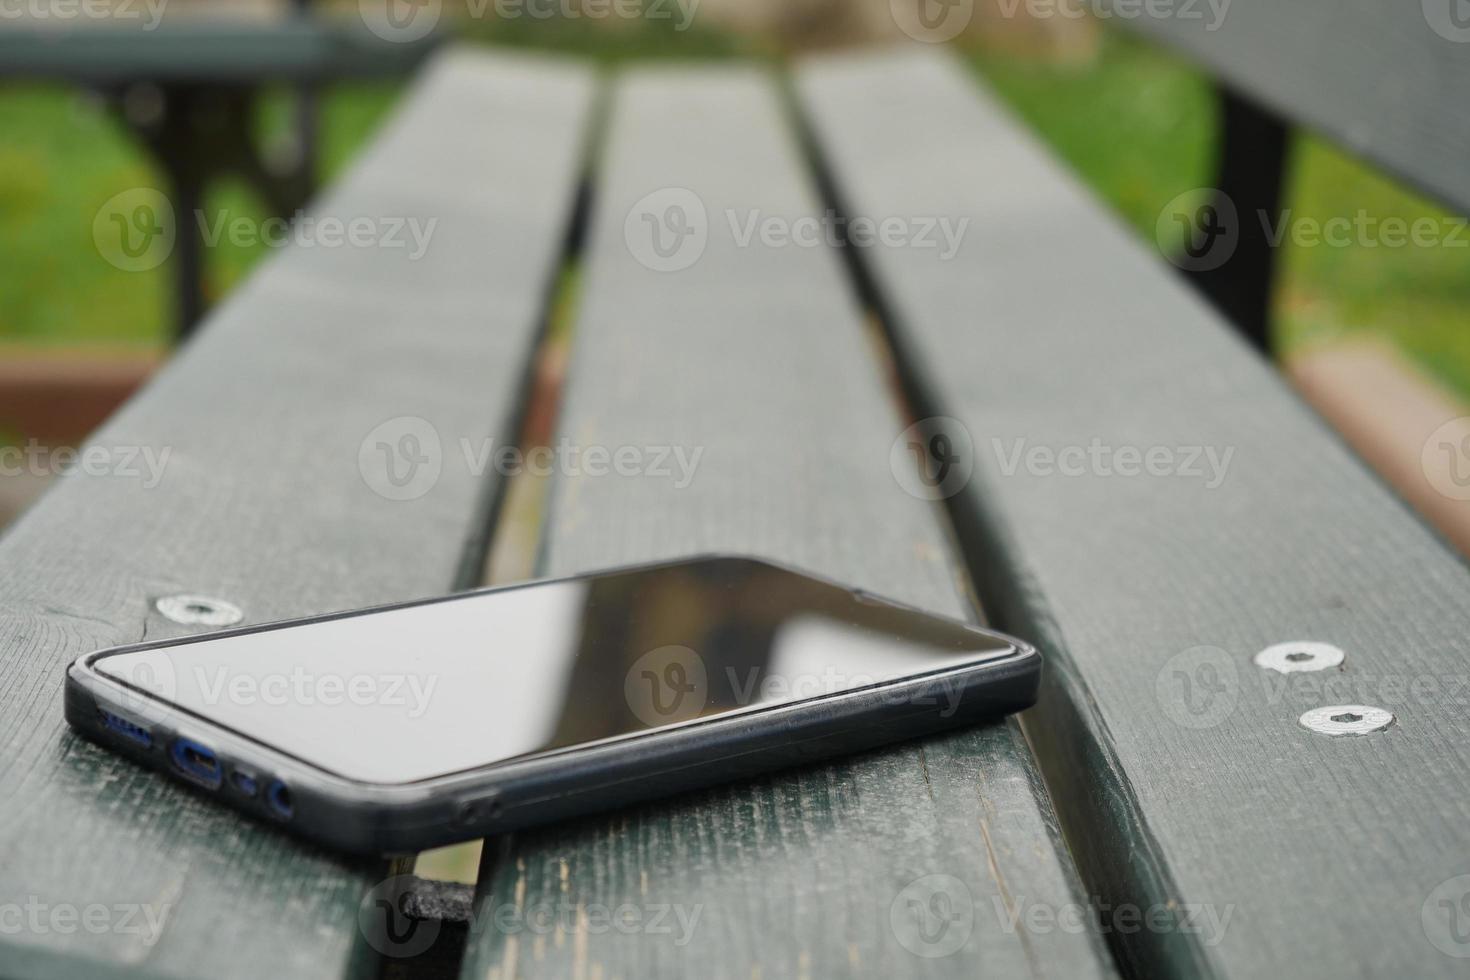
756,358
1385,80
262,502
1054,328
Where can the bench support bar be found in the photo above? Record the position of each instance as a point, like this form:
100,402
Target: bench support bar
1252,162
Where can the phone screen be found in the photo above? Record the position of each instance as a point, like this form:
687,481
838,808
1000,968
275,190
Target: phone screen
424,690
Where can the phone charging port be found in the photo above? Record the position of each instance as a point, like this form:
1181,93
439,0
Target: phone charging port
198,762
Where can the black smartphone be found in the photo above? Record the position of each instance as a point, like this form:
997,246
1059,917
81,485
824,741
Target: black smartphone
407,727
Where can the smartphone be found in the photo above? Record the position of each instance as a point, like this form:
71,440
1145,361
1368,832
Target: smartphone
406,727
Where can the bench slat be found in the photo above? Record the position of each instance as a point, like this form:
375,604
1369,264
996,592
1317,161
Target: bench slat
190,49
262,503
1053,328
756,357
1384,80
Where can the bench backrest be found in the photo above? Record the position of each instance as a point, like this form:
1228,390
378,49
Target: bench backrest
1385,80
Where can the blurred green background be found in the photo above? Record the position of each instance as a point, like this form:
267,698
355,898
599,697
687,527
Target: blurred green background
1136,124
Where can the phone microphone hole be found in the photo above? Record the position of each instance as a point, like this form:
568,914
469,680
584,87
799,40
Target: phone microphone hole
197,761
278,795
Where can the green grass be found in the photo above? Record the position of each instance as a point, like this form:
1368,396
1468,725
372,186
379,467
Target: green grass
1135,124
63,158
1139,127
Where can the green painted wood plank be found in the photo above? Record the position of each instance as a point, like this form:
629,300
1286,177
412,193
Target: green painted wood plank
193,49
755,358
269,498
1179,767
1382,79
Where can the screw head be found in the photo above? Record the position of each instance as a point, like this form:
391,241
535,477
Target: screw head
1346,719
1298,656
198,610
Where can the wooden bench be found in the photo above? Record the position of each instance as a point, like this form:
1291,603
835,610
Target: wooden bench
1207,832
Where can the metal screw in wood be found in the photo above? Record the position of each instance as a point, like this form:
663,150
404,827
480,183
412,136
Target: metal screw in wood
199,610
1346,719
1298,656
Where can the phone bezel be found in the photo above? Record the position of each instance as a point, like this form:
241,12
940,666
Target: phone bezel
369,817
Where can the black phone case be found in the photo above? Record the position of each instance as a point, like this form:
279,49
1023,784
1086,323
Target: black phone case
371,818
